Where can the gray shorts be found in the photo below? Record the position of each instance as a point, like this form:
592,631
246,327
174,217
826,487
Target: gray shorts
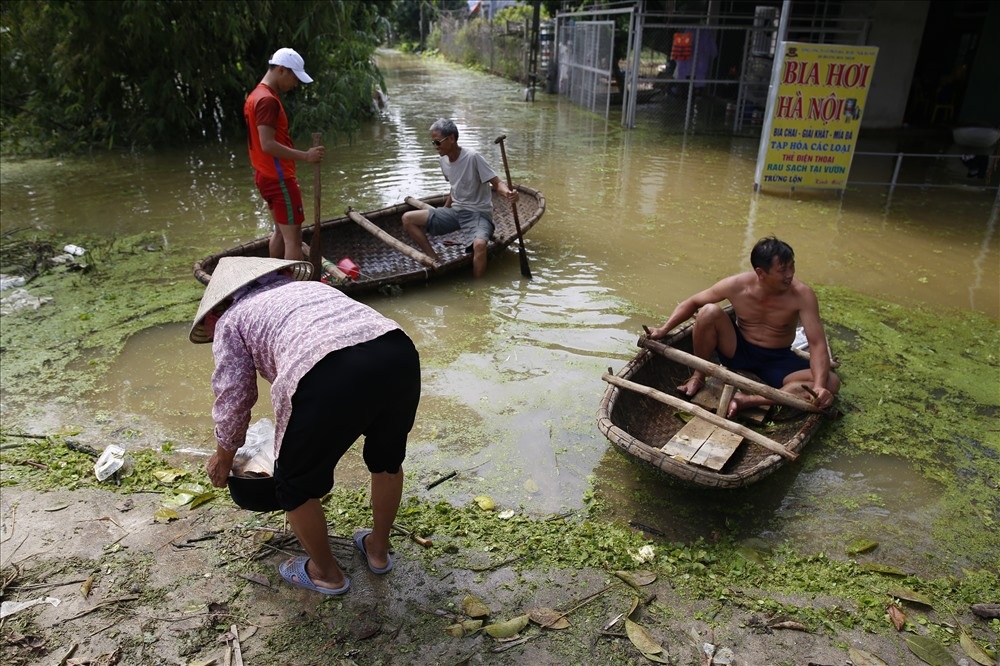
474,224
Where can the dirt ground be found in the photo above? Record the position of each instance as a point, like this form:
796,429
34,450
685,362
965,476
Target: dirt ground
166,593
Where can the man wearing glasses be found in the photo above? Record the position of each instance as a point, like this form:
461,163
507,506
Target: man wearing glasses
469,205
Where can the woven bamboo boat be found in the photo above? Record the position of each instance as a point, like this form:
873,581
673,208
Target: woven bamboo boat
385,256
650,431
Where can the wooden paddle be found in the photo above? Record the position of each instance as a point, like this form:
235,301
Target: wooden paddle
315,251
525,270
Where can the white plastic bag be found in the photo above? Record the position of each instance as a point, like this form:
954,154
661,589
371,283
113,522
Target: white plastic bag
256,456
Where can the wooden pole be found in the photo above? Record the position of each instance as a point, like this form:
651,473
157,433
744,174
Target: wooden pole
390,240
727,395
729,377
315,246
704,414
417,203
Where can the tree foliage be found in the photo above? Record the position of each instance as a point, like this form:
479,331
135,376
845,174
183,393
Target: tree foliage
406,14
84,73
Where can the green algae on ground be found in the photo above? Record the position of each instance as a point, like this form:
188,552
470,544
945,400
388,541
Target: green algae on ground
58,351
49,463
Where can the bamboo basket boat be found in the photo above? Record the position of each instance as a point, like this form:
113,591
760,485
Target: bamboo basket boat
644,428
384,254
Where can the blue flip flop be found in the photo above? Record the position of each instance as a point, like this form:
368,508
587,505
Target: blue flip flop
359,542
294,571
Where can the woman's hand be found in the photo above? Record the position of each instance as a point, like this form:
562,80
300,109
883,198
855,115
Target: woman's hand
219,465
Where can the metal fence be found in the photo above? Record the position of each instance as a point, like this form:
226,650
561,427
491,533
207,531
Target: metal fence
926,170
585,52
693,73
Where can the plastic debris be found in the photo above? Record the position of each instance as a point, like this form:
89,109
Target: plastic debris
112,460
20,299
10,281
8,608
75,250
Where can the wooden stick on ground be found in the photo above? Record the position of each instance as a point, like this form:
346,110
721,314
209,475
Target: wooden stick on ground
390,240
727,376
690,408
237,650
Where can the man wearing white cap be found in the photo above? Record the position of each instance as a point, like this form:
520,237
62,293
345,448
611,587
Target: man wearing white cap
272,154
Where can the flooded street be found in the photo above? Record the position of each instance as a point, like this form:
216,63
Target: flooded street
636,221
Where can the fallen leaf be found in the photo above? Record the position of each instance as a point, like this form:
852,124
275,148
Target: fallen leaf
882,568
633,607
641,639
906,594
861,545
469,627
896,616
56,507
205,662
758,545
184,494
929,651
201,499
976,653
473,607
531,486
636,579
165,515
508,628
85,588
751,555
862,658
362,628
260,579
548,618
168,475
485,503
986,611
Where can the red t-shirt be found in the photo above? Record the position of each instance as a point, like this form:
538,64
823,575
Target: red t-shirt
264,108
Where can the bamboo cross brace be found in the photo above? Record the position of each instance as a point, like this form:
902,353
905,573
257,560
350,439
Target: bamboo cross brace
390,240
729,377
704,414
417,203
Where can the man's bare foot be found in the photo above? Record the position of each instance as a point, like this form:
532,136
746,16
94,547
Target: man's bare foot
691,387
743,401
736,404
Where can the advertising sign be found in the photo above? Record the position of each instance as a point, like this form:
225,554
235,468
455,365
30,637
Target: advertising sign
813,115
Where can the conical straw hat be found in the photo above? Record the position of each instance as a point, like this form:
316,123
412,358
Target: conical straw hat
232,273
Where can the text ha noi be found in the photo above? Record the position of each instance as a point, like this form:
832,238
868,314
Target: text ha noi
814,115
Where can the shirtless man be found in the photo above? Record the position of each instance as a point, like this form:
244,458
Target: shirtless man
769,303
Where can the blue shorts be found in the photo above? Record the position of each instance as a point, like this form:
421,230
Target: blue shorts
771,365
476,225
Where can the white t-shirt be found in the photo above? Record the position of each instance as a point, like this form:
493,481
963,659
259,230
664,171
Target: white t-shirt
470,178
